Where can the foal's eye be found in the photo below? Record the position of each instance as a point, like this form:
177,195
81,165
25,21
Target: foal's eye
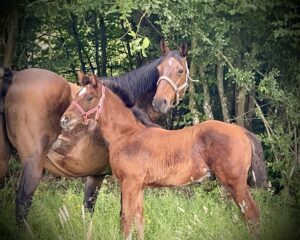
180,71
89,98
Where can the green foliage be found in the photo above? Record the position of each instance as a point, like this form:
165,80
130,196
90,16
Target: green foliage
282,141
242,78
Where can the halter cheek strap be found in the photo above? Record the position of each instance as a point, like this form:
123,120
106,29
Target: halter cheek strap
175,88
98,109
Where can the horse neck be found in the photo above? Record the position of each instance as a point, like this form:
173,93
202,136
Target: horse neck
116,119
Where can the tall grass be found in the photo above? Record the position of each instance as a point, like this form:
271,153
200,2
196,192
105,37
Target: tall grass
194,212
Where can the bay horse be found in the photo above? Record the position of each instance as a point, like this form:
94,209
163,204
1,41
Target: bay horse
142,157
31,103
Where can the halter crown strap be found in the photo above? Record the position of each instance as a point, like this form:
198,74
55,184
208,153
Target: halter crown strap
98,109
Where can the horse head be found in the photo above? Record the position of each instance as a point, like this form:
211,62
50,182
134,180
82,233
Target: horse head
87,104
173,78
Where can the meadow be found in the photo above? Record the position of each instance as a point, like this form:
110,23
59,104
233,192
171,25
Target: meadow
193,212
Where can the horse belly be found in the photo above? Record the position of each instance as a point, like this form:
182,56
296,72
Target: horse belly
180,175
78,156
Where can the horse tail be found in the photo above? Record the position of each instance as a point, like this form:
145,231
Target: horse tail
6,76
258,165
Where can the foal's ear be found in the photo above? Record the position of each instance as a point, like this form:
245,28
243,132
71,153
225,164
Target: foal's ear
183,50
164,48
94,81
83,80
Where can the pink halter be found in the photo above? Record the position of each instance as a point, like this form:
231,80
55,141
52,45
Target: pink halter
98,109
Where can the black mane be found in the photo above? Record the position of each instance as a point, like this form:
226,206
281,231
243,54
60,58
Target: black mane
125,96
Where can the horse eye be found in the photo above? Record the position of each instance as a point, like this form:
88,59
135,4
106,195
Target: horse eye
180,70
89,98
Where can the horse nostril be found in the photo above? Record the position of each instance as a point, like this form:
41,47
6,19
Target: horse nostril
64,121
165,101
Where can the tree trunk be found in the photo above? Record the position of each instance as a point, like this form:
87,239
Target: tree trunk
192,97
241,107
206,105
250,111
220,85
12,34
75,33
127,42
103,46
96,42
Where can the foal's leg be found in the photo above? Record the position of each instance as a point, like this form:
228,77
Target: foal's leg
130,191
92,185
31,175
5,150
243,199
139,216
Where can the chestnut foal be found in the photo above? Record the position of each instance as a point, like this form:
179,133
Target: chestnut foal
143,157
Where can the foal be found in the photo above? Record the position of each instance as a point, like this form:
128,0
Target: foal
143,157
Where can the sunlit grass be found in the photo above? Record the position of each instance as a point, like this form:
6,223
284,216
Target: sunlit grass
193,212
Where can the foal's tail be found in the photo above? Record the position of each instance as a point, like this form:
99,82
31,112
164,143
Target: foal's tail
258,165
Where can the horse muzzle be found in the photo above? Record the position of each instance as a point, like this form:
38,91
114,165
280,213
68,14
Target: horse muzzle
161,105
65,123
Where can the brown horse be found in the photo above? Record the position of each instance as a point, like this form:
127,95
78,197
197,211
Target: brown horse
143,157
31,103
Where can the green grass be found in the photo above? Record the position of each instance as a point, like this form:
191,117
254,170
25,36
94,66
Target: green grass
194,212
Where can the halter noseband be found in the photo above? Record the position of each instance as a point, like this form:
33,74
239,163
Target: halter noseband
98,109
176,89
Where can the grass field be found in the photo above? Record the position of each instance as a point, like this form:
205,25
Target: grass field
193,212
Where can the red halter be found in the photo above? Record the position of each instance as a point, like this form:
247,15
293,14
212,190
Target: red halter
98,109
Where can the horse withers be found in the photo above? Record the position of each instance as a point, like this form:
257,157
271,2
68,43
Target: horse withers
143,157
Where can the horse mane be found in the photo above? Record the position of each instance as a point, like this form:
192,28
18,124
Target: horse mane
127,98
143,117
125,95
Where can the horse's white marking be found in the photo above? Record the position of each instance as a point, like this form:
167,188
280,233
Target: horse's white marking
170,62
243,206
82,91
205,176
254,177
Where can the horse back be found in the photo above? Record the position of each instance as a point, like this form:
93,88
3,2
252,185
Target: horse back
158,155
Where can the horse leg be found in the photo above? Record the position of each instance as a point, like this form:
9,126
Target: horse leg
5,150
31,175
130,192
92,185
139,216
243,199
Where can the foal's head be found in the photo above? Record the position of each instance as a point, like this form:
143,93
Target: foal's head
173,78
88,103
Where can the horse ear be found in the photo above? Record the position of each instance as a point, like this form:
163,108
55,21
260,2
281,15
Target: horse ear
164,48
184,49
94,81
82,78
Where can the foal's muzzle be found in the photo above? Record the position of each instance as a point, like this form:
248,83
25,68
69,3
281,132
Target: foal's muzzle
65,122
